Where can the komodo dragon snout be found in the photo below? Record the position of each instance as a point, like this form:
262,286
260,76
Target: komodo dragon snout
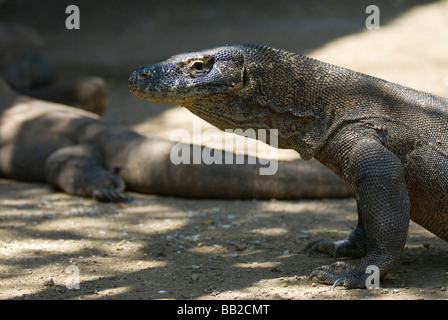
186,79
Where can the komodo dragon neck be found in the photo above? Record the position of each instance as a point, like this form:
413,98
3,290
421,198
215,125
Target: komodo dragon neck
251,86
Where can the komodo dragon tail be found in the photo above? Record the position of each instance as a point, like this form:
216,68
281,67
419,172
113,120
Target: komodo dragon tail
158,174
101,150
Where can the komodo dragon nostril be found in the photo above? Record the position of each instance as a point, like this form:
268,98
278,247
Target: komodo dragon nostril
143,75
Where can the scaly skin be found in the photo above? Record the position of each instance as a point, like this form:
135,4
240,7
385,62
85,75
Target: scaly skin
388,142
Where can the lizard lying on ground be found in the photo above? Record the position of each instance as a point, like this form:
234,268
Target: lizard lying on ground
389,142
82,154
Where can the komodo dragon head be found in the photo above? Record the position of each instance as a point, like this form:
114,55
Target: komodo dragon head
213,84
190,77
244,86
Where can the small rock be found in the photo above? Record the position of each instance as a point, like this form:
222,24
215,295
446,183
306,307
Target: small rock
195,277
240,247
49,283
121,205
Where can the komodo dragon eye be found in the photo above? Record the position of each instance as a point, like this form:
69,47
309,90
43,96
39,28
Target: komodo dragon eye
200,65
197,66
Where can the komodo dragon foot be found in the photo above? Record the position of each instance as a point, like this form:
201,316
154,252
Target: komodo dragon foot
79,170
341,273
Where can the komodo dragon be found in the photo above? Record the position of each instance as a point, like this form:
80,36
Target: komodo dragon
389,142
84,155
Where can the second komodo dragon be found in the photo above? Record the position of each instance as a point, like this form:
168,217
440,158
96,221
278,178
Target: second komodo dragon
82,154
389,142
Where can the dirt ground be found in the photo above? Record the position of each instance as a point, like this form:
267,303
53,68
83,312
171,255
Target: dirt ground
171,248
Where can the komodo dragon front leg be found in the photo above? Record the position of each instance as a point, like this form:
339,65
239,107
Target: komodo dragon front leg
383,211
79,170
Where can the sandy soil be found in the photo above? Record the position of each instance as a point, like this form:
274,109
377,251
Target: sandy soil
163,247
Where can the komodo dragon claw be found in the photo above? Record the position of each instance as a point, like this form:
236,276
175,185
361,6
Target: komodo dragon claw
340,273
338,282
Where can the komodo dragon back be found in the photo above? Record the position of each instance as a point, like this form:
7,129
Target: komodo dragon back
387,141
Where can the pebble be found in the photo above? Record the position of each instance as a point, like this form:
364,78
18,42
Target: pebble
240,247
49,283
195,277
